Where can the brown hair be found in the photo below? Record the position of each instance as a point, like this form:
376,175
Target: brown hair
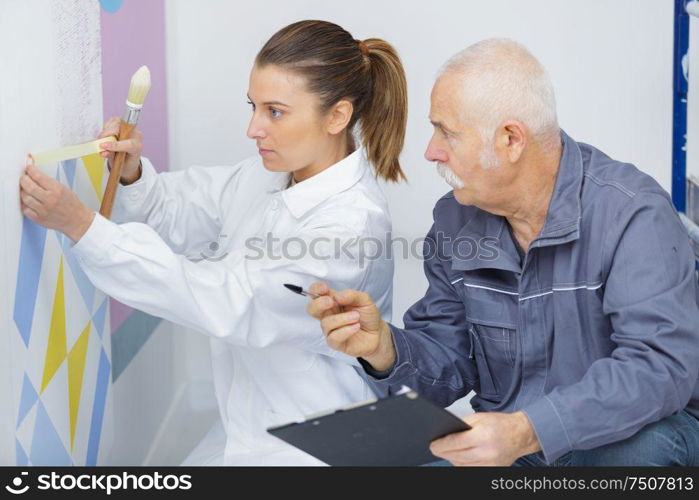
369,74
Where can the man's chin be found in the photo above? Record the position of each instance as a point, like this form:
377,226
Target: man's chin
462,196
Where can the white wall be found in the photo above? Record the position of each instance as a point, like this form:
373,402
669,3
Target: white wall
50,96
610,61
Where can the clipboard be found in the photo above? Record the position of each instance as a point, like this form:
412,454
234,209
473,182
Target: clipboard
395,431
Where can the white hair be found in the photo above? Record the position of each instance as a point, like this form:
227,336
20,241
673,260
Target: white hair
504,81
450,176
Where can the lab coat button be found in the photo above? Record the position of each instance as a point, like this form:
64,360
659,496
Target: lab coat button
134,196
275,204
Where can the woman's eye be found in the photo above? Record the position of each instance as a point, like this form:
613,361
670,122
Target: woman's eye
275,113
251,104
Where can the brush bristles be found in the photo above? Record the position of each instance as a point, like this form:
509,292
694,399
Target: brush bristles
140,85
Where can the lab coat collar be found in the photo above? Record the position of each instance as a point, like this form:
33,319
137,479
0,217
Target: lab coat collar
303,196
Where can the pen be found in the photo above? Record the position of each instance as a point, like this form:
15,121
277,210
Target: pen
301,291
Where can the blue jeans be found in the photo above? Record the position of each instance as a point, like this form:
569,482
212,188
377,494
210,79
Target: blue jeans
673,440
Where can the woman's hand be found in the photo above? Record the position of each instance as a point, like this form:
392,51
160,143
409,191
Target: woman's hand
51,204
130,171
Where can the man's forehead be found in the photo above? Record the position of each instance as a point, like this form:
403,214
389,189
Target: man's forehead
446,102
444,113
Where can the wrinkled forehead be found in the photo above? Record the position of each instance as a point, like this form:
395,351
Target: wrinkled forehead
447,101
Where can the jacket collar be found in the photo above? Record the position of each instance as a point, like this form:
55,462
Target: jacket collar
562,223
303,196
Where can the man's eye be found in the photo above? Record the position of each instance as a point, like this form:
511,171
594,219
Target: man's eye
275,113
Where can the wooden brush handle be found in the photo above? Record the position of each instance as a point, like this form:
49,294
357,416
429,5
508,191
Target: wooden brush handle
125,131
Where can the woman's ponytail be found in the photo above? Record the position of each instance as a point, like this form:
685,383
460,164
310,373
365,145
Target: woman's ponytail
384,119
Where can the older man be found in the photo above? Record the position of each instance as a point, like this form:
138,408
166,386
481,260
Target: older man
577,325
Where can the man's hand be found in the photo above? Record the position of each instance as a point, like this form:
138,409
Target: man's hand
357,331
51,204
130,170
494,439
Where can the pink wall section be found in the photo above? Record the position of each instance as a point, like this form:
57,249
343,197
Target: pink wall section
132,36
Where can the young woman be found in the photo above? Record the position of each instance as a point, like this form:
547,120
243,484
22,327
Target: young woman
307,208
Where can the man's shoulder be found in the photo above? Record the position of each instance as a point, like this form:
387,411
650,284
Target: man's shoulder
614,179
614,191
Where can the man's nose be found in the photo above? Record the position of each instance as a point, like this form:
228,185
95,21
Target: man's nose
433,153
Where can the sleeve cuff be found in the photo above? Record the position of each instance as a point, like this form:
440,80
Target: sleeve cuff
549,429
97,239
402,368
129,201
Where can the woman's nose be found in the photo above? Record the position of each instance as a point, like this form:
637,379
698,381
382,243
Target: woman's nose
255,131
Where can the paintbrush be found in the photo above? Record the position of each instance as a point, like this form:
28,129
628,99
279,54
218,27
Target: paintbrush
140,85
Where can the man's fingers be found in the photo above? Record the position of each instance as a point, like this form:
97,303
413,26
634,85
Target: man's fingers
319,307
338,337
355,298
460,459
319,288
335,321
472,419
452,442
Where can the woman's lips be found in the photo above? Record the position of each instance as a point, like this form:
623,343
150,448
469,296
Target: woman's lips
265,151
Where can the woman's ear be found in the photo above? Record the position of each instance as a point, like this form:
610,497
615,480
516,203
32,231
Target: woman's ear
339,116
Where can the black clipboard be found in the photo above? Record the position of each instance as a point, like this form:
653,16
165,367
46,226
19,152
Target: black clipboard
395,431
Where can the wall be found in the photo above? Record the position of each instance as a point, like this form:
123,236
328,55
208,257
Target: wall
54,336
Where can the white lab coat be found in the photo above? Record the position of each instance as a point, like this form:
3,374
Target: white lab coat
271,364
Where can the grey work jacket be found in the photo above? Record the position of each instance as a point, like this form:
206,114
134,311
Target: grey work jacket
594,334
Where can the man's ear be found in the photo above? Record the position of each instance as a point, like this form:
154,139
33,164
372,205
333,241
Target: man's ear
339,116
511,137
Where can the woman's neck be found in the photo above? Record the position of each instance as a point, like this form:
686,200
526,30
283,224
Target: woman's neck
334,153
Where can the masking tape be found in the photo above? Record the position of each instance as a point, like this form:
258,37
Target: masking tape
70,152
